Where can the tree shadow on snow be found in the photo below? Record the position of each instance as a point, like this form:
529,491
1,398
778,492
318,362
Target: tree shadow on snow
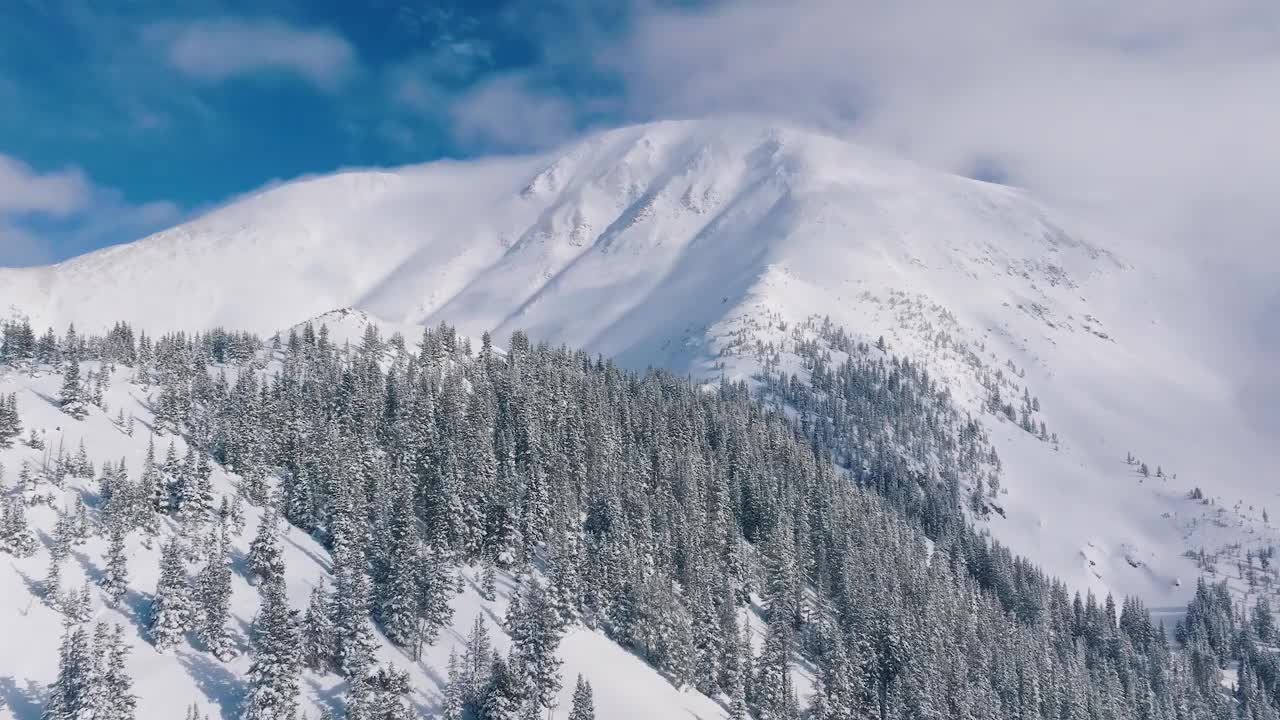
135,606
329,697
322,563
91,571
217,683
34,587
26,703
53,401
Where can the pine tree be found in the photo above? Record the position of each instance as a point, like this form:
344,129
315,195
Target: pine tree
16,537
172,610
119,702
10,422
115,579
454,690
477,663
53,577
503,697
772,683
75,694
355,642
399,598
266,563
488,579
213,585
392,687
361,699
71,397
583,705
273,673
319,642
435,589
534,627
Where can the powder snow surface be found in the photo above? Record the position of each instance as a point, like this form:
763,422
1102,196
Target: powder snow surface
166,684
668,244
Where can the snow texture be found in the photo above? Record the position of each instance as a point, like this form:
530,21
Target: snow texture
682,244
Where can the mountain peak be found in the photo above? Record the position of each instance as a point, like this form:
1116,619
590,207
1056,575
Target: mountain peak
703,246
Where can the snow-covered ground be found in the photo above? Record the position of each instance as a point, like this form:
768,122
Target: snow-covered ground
669,243
625,686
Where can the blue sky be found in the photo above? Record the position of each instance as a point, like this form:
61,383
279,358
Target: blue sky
1156,118
120,118
139,113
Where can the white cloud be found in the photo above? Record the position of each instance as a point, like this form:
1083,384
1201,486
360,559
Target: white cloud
1157,117
1164,109
23,190
72,214
506,113
218,49
19,248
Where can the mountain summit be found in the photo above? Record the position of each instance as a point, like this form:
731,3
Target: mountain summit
706,246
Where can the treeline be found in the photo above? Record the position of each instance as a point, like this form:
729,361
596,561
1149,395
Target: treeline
640,504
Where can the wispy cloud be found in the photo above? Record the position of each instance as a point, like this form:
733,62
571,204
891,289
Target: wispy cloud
18,248
215,50
45,216
24,190
1156,117
506,113
1166,109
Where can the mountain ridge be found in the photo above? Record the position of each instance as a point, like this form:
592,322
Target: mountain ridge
694,244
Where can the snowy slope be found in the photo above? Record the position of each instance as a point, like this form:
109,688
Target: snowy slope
625,686
681,243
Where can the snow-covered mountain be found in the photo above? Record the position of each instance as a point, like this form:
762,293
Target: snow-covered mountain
166,684
690,244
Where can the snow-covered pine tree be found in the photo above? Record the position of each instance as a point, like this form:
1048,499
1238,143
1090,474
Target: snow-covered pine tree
266,563
399,607
488,578
115,579
584,707
118,700
194,499
213,585
534,627
319,640
435,590
454,690
52,586
71,398
772,686
16,537
172,609
75,693
10,422
355,640
392,687
273,673
477,664
81,465
503,696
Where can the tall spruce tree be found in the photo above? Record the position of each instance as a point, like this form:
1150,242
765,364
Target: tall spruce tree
273,671
535,630
319,639
74,694
213,585
266,563
71,397
115,579
118,700
584,707
172,608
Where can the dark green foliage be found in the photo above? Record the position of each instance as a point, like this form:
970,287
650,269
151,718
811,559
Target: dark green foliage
655,509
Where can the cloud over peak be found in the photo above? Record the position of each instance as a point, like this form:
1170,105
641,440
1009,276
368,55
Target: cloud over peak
215,50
